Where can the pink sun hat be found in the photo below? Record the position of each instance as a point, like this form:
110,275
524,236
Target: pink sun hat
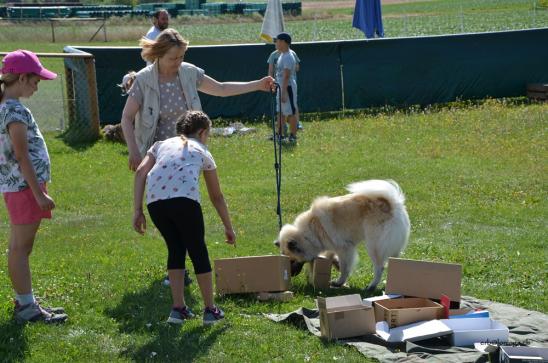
25,61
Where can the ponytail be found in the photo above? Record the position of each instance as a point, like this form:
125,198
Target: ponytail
6,80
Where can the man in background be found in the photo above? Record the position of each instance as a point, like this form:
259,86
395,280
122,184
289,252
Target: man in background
160,21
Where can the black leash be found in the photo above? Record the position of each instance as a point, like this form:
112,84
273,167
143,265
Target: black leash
277,140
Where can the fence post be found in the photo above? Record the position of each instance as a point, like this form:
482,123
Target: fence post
461,20
52,31
92,91
104,29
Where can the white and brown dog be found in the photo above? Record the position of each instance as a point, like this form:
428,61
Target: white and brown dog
373,212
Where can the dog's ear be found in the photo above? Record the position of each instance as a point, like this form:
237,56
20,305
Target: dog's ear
277,243
292,246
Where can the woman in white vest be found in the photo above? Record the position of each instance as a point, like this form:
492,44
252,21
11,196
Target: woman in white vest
167,88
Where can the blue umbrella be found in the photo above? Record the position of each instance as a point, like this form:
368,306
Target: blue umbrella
368,17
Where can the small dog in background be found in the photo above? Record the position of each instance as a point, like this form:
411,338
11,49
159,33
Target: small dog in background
373,212
114,132
127,82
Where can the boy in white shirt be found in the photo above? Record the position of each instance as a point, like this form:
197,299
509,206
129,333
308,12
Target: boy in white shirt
286,69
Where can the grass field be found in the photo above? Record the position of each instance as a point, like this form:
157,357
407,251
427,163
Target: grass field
475,182
474,176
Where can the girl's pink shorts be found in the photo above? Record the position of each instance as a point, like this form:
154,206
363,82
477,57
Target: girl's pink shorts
23,208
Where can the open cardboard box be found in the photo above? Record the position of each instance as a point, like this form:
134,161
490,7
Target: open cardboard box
468,331
424,279
345,316
252,274
320,273
397,312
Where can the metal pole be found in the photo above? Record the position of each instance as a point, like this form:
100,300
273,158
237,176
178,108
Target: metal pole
534,13
461,20
52,31
105,29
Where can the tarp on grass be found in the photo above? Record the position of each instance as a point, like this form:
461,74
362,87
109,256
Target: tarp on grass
526,327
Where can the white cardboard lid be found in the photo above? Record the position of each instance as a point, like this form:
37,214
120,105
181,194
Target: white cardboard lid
412,332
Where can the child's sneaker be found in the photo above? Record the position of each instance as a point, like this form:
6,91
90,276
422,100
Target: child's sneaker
33,313
213,316
49,309
179,315
292,139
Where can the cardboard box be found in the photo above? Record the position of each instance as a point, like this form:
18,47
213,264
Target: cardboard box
412,332
476,330
425,279
523,354
320,275
397,312
345,316
252,274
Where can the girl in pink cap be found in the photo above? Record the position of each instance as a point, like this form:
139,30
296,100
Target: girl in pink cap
24,172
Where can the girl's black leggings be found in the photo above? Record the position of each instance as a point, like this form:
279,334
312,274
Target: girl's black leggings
181,223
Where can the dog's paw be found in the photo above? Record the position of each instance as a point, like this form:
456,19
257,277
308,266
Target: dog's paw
335,284
370,289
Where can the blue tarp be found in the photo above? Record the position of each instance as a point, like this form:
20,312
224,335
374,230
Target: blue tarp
368,18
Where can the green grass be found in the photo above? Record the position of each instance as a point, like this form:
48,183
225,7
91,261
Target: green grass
475,182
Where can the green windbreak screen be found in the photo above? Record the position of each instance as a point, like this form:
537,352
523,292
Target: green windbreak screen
392,71
443,68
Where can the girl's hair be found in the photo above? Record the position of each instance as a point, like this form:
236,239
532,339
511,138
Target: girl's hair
6,80
154,49
191,122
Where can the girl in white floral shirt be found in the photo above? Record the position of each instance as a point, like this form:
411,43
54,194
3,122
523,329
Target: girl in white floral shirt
24,172
171,170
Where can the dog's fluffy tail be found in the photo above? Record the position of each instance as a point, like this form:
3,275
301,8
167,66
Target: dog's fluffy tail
388,189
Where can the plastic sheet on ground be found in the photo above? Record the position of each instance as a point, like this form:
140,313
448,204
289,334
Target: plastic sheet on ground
235,128
526,328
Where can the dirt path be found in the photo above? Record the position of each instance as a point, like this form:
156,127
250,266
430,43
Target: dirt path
345,3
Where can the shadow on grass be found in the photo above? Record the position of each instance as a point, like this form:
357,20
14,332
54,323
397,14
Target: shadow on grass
78,141
13,342
144,313
175,344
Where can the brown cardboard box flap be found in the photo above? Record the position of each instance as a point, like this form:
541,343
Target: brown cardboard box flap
340,303
320,274
424,279
408,303
397,312
322,265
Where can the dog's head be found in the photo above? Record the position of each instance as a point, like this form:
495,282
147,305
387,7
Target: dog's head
293,242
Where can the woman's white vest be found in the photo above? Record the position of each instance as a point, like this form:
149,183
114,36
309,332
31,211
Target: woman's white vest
146,120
